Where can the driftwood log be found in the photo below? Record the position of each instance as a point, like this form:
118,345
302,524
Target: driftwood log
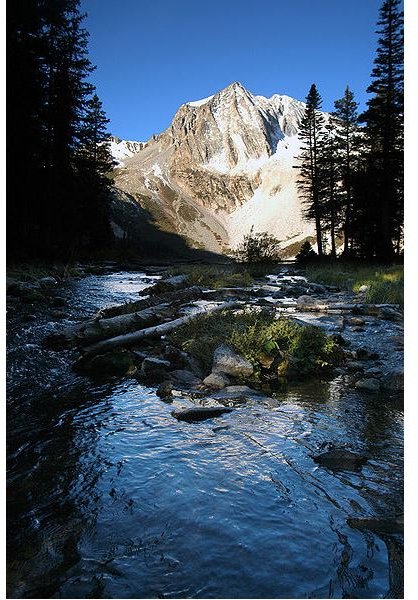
130,339
175,298
91,331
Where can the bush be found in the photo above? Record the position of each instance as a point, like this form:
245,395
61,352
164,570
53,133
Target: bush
280,346
215,276
258,248
306,253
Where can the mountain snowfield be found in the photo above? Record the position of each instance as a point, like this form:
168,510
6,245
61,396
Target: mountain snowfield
224,165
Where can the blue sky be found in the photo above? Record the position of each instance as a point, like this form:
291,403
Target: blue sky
153,55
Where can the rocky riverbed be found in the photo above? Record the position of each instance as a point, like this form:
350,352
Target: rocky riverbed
134,471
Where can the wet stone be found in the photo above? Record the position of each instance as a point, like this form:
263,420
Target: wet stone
341,460
200,413
368,385
226,360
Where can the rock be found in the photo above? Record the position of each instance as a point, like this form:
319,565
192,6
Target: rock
390,314
373,372
364,354
317,288
306,301
155,369
358,328
216,381
363,289
119,362
368,385
58,314
168,285
338,339
237,393
226,360
165,390
354,365
388,525
48,281
200,413
58,301
356,321
185,378
341,460
393,381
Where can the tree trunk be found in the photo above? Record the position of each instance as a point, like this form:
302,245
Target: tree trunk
136,337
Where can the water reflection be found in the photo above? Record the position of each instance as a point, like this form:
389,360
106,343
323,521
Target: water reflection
109,496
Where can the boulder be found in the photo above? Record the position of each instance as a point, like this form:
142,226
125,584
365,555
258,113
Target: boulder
341,460
364,354
200,413
226,360
306,301
356,321
48,281
119,362
389,313
393,381
165,390
168,285
154,369
383,525
216,381
368,385
184,378
363,289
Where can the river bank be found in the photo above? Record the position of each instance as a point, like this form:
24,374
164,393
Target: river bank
114,514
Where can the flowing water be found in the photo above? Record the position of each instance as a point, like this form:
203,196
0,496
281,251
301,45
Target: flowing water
110,497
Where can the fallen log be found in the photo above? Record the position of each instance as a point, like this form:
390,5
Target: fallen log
175,297
130,339
91,331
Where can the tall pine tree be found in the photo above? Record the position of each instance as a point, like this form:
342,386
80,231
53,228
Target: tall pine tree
384,129
347,139
310,132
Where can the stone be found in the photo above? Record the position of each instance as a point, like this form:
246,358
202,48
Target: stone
354,365
389,313
357,321
119,362
226,360
165,390
48,281
168,285
154,369
393,381
368,384
341,460
216,381
378,524
183,377
306,301
338,339
200,413
363,289
364,354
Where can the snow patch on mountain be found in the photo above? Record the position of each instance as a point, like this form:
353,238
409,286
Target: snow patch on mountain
123,149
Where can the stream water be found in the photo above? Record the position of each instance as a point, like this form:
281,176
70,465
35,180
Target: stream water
110,497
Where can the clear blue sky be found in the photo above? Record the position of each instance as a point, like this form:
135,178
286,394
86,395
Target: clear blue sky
153,55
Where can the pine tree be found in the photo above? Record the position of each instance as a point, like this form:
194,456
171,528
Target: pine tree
384,128
329,183
347,138
310,133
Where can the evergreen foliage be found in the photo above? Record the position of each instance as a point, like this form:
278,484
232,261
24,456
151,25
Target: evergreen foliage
310,133
56,191
384,134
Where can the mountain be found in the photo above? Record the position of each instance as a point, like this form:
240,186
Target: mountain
224,165
121,149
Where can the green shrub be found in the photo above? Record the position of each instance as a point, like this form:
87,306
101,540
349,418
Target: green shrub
215,276
258,248
292,350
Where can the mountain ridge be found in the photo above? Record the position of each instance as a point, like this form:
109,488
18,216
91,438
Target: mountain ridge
224,164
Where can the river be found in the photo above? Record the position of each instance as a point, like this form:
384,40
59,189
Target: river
110,497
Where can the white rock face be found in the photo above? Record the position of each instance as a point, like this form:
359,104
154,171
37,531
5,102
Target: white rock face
225,164
122,149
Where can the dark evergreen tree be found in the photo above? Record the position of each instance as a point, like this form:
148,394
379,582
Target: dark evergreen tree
310,132
49,106
347,139
329,184
384,129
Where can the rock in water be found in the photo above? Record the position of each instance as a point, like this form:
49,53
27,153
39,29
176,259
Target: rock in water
200,413
368,385
341,460
383,525
226,360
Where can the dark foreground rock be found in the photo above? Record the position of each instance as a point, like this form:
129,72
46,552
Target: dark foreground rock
103,365
200,413
341,460
385,525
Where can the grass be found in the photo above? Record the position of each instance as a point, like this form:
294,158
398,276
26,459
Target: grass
386,284
215,276
280,345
